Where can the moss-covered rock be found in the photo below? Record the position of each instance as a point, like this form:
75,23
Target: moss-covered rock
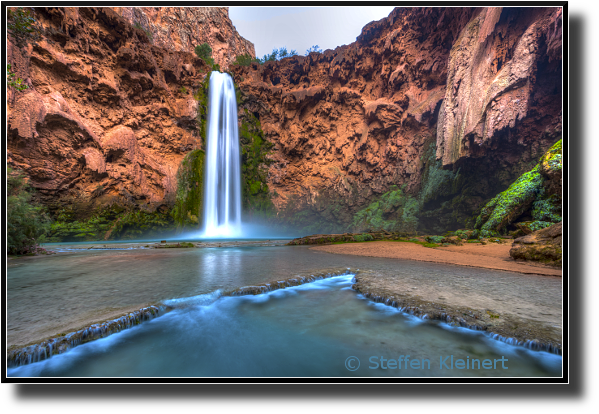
527,193
393,211
190,183
111,223
255,194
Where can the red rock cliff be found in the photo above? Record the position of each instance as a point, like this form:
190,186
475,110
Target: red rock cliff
350,122
108,115
183,28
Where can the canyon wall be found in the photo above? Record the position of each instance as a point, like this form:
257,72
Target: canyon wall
430,113
108,115
417,124
183,28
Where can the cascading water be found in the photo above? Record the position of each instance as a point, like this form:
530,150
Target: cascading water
222,180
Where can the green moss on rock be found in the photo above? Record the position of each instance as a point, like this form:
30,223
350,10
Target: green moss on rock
255,194
526,192
190,183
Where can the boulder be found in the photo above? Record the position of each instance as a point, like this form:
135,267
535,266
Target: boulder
543,245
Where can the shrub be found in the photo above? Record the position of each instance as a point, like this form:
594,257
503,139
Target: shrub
434,239
245,60
17,84
22,26
204,52
27,222
314,49
276,54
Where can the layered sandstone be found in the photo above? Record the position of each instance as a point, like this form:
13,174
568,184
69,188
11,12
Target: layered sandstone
183,28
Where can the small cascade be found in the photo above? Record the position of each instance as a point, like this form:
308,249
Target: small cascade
222,180
61,344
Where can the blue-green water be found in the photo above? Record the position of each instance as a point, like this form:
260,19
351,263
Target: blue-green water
308,330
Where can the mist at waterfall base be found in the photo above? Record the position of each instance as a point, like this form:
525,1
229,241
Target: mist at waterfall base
222,213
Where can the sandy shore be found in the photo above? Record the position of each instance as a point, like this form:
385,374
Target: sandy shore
490,256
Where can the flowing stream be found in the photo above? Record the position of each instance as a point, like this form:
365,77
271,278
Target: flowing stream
222,185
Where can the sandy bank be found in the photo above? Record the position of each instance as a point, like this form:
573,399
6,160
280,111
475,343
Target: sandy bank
490,256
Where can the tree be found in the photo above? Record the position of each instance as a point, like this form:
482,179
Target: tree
277,54
27,222
204,52
315,49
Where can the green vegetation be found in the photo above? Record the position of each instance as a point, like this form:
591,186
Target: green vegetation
183,90
204,52
276,54
314,49
363,237
434,239
526,191
255,194
110,223
27,223
201,95
245,60
12,83
393,211
23,27
190,180
147,32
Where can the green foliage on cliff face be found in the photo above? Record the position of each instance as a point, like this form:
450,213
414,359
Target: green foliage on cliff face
552,159
22,25
12,83
149,34
142,224
276,54
201,95
393,211
190,184
314,49
245,60
204,52
113,222
255,194
525,192
27,223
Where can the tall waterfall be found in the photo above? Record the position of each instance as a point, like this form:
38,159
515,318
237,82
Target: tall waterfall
222,180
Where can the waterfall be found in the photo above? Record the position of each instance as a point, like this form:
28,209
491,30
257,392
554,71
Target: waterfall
222,179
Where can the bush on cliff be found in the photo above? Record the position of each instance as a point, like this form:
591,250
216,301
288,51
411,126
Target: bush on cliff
204,52
27,222
277,54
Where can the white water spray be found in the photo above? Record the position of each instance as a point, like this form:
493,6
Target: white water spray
222,184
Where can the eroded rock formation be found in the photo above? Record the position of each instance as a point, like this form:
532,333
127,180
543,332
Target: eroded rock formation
484,85
108,116
183,28
427,116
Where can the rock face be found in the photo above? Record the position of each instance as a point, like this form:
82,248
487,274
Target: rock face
108,116
543,245
503,71
476,88
427,116
183,28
